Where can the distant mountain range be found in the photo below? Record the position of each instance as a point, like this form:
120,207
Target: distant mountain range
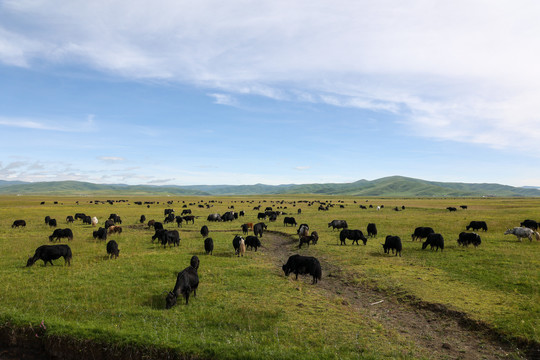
393,186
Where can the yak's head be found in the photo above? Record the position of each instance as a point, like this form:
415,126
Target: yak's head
170,300
385,248
30,261
508,231
424,245
286,270
194,262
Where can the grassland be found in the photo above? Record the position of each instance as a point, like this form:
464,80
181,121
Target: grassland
245,307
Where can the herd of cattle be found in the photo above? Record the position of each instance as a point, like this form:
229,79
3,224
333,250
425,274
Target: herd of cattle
188,281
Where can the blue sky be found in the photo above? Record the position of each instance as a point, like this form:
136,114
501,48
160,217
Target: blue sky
275,92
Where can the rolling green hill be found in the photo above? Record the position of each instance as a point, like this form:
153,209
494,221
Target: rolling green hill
86,188
394,186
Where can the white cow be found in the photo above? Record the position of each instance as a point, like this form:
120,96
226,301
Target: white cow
522,232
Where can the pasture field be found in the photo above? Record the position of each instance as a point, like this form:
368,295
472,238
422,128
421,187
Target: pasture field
245,307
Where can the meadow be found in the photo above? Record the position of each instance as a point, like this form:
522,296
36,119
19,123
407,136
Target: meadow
245,307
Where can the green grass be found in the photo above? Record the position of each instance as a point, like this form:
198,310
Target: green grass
245,307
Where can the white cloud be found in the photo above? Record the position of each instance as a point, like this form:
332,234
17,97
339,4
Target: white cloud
111,158
461,70
302,168
71,125
224,99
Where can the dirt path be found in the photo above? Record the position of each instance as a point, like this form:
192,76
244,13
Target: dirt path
439,333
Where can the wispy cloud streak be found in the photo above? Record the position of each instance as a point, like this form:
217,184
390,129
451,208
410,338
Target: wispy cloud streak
73,126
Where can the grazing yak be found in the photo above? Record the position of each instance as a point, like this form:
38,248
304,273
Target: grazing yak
521,232
187,281
353,235
179,220
108,223
245,229
228,216
258,229
252,242
469,238
421,232
48,253
371,230
451,208
80,216
69,219
167,237
214,217
477,225
204,231
171,237
531,224
289,220
142,219
47,218
435,241
52,223
94,221
100,234
112,249
338,224
392,243
169,218
313,238
299,264
189,218
18,223
208,245
61,233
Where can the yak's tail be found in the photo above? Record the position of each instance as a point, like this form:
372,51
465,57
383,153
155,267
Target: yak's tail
537,235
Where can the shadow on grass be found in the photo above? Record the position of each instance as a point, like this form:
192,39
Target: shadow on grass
157,301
